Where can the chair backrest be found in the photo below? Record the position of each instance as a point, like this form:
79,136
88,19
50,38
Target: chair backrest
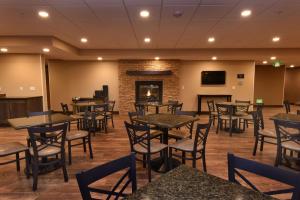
274,173
172,102
211,106
86,178
287,106
138,134
139,107
111,105
133,115
258,120
190,125
243,108
224,109
201,135
39,139
64,107
89,121
31,114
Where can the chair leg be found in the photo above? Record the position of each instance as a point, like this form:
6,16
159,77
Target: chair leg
204,162
149,167
183,157
170,157
35,172
262,143
27,160
112,121
255,146
28,143
18,161
69,126
90,147
70,152
66,178
84,144
218,126
194,160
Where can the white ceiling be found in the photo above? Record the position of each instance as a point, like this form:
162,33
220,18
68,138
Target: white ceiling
116,24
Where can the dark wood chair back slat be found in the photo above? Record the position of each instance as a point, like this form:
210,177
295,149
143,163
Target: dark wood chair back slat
284,176
138,134
86,178
201,135
287,106
211,106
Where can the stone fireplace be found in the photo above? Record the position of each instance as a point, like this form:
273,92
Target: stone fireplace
127,83
148,91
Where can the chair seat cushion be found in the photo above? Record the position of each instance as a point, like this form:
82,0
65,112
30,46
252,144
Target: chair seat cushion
178,134
267,133
76,135
76,116
241,113
11,148
46,150
246,117
154,147
100,117
291,145
227,117
186,145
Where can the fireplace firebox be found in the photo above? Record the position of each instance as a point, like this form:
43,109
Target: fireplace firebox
148,91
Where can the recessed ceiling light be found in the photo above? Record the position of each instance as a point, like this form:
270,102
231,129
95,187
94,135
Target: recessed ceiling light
46,50
276,39
292,66
214,58
265,62
147,40
43,14
246,13
99,58
84,40
211,39
156,58
273,58
4,50
144,13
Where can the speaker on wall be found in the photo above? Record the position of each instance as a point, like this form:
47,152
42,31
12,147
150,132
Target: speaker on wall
105,90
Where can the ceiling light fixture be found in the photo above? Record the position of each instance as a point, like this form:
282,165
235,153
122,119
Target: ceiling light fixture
276,39
99,58
144,13
211,39
4,50
46,50
214,58
84,40
156,58
265,62
246,13
43,14
292,66
147,40
273,58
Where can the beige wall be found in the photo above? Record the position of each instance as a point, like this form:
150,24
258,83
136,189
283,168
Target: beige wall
81,78
190,81
269,84
22,75
292,85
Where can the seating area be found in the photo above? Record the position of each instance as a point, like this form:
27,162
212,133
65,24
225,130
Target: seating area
150,99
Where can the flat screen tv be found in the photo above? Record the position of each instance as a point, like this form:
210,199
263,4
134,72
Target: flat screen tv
213,77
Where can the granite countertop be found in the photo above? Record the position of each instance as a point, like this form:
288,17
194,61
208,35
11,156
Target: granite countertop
166,120
187,183
286,117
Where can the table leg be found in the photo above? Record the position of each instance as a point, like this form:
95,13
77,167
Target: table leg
157,109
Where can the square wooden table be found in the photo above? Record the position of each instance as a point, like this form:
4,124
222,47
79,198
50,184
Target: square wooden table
157,105
41,120
188,183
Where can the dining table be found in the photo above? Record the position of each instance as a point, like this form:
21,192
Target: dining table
185,182
41,120
156,105
165,122
91,105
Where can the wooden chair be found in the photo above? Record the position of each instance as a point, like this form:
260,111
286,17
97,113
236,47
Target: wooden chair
213,114
195,147
235,164
43,148
180,133
84,136
140,107
110,112
77,117
225,114
86,178
287,106
288,138
154,133
261,134
141,143
176,107
242,109
170,107
11,148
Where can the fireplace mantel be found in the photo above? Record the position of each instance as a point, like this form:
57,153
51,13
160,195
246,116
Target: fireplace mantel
148,73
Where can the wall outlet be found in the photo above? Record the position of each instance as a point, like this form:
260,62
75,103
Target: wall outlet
32,88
